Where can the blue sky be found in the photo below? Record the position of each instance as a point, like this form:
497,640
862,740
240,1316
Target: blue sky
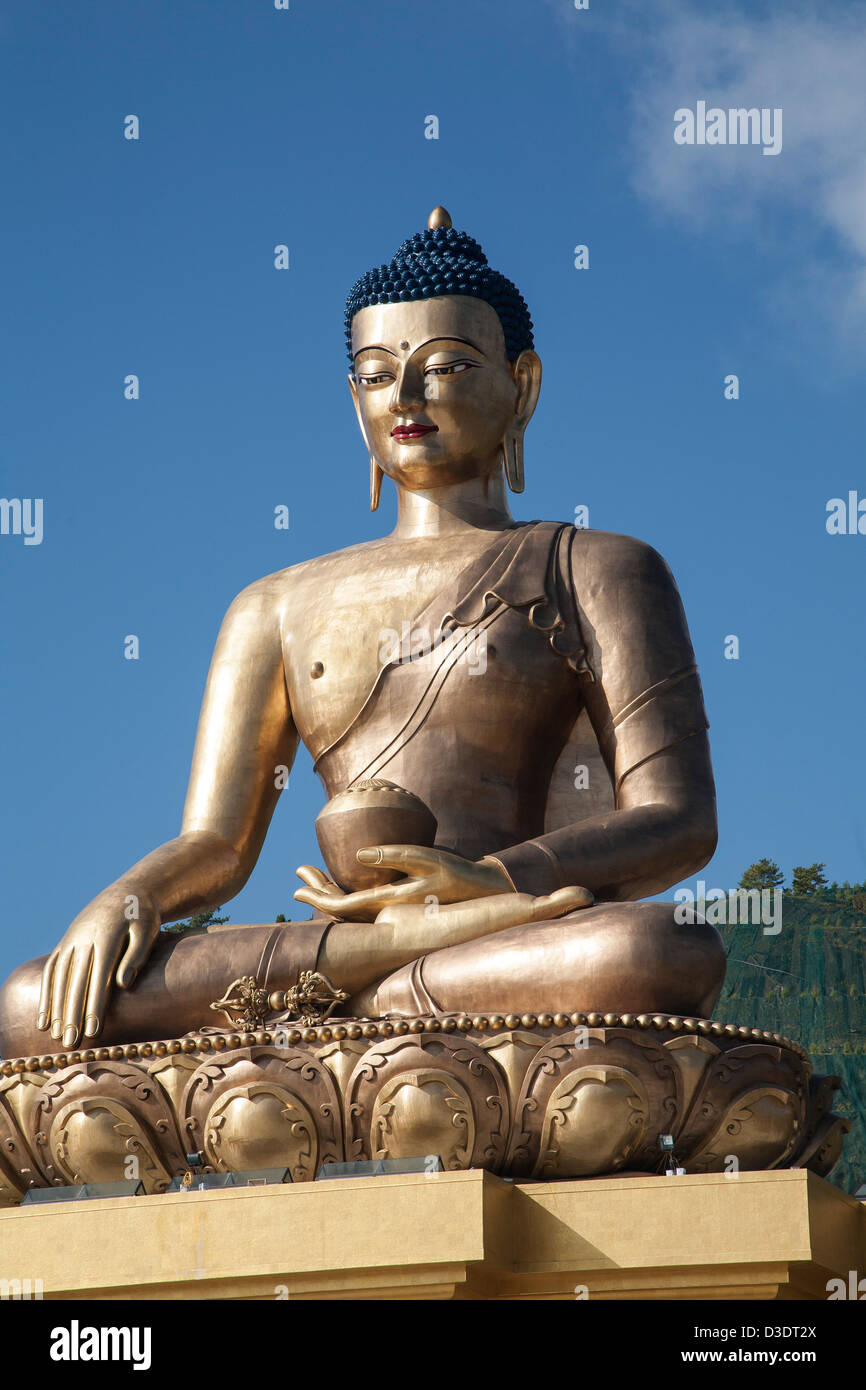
306,127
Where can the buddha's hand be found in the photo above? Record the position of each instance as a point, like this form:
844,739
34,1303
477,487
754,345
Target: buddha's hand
459,922
107,943
432,876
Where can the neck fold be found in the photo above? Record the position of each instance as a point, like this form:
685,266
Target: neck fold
479,504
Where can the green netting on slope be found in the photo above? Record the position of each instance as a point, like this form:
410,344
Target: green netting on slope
809,982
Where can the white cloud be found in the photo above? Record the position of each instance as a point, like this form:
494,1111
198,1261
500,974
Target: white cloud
812,64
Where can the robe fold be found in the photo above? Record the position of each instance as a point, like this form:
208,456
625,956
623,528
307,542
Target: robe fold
495,693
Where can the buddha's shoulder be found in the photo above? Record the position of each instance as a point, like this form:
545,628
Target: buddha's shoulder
299,582
598,559
602,556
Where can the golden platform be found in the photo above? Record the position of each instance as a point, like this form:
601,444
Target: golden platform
458,1235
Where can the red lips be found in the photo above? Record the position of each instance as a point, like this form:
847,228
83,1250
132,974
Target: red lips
412,431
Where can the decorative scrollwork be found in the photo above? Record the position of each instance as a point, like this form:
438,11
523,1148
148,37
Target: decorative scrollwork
594,1101
540,1096
103,1122
428,1094
750,1104
309,1002
245,1003
260,1107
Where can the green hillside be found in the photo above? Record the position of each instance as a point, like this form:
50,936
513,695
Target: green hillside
809,983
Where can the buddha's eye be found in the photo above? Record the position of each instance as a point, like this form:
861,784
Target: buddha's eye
375,379
449,368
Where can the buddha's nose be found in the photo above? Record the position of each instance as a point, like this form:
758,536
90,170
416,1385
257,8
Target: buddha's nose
408,392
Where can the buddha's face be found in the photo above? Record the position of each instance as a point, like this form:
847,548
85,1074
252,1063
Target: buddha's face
434,390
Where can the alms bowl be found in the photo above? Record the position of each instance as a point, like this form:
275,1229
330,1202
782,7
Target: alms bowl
369,813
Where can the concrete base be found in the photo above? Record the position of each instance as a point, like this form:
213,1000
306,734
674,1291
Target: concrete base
776,1235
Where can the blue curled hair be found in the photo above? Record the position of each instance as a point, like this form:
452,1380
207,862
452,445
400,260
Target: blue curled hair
436,262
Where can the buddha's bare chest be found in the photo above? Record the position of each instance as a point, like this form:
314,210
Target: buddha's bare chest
344,628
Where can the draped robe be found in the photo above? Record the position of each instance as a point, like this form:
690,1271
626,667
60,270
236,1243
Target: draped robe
483,711
557,649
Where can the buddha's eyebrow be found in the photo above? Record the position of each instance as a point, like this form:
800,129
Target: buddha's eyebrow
450,338
374,347
447,338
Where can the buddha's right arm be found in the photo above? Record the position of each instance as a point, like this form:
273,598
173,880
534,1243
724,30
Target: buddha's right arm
245,745
646,707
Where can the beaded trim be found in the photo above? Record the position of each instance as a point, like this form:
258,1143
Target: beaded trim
339,1030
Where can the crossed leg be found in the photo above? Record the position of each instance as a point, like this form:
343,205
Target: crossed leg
612,958
511,956
174,990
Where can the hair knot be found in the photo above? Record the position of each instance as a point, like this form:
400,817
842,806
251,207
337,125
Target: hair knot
442,261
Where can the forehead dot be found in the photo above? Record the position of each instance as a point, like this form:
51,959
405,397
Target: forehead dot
404,346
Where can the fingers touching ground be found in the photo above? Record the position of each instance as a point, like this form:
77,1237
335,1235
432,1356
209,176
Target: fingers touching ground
58,992
76,992
43,1018
75,986
136,953
65,981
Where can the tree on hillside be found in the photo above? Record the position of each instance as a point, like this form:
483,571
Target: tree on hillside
197,923
764,873
808,880
853,895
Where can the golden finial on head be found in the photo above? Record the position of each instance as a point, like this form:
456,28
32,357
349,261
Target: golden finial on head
439,217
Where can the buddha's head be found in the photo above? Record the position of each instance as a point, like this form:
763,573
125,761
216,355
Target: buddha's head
444,376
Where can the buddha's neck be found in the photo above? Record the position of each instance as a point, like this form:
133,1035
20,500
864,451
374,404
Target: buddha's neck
479,504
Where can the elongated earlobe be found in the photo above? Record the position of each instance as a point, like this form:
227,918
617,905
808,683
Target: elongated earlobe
512,459
527,378
375,483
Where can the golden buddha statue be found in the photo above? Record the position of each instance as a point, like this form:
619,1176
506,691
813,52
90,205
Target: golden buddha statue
518,652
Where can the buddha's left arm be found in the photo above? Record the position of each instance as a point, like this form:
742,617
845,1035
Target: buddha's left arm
647,710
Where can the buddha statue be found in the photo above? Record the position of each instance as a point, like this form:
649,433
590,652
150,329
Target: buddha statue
458,683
